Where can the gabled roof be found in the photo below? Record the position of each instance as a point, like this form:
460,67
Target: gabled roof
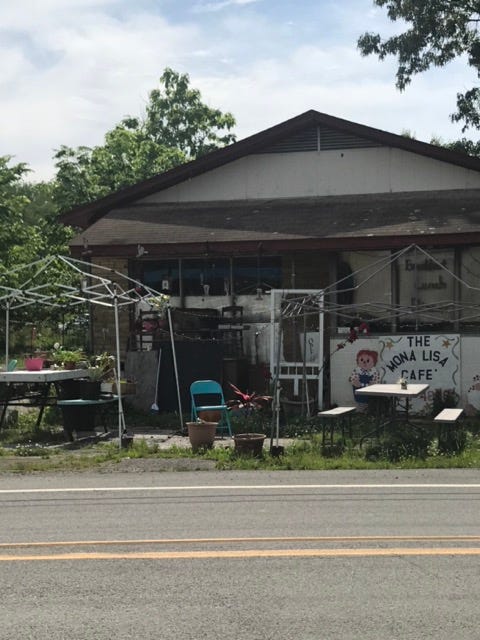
85,215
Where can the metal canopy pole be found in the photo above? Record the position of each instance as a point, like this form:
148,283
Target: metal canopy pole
275,426
174,357
121,419
7,334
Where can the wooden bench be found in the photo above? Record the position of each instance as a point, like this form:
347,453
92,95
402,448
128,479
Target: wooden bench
447,416
337,417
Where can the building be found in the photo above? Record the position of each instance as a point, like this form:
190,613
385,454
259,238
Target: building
304,205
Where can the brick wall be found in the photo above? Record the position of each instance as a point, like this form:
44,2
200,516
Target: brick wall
103,318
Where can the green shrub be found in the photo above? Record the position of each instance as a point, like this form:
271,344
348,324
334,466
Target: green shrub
400,445
444,399
30,449
452,440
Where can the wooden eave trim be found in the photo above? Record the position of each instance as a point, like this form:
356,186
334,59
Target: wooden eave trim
281,246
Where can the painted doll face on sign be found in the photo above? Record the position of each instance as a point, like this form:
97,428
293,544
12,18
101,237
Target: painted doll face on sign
366,359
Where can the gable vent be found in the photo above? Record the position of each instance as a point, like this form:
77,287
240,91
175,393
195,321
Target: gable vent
335,139
306,140
316,138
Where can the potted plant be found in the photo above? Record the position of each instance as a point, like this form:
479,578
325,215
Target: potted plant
248,406
67,359
201,434
104,365
90,387
34,362
159,303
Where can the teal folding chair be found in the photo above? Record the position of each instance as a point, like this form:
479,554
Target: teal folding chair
207,395
12,365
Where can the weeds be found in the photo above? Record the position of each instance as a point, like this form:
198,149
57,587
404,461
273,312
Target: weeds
30,449
23,447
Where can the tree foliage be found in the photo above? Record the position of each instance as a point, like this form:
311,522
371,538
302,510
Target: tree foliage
13,232
177,126
28,229
465,146
438,32
177,118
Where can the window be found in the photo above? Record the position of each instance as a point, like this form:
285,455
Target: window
211,276
250,274
426,289
424,296
161,275
206,277
364,288
470,289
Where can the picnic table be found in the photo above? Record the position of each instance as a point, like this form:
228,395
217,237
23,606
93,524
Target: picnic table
390,416
32,388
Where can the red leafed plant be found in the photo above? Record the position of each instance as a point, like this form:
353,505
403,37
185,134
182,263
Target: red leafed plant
248,401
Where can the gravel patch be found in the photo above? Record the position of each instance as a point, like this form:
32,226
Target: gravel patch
152,465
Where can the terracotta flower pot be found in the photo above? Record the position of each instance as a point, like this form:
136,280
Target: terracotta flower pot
210,416
202,434
249,443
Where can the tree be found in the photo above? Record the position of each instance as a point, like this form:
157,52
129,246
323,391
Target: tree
179,119
463,146
39,204
13,232
440,31
177,127
28,231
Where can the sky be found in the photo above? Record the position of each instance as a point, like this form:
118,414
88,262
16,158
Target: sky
72,69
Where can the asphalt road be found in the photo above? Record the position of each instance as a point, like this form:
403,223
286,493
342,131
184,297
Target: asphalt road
312,555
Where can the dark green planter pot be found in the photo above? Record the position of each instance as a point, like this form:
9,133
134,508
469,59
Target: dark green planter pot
90,389
78,419
69,389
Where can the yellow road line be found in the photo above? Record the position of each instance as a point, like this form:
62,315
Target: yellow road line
169,541
247,553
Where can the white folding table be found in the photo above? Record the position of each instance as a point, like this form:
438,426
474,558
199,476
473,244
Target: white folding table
394,393
43,380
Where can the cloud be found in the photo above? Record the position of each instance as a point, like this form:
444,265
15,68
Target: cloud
94,69
72,69
217,5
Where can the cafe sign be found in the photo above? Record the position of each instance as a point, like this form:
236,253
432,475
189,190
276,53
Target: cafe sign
421,358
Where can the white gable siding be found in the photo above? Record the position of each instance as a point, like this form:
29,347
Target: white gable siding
324,173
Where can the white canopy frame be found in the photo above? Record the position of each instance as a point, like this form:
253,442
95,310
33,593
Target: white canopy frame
98,285
381,310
